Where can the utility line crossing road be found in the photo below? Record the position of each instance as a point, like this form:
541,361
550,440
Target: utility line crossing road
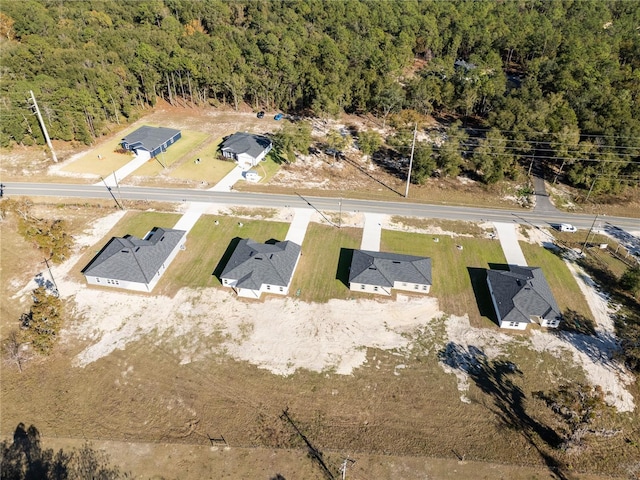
402,207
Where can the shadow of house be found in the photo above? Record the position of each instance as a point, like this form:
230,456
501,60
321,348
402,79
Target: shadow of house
344,265
225,258
478,278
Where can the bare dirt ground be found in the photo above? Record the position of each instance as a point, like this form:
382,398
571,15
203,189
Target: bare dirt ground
174,369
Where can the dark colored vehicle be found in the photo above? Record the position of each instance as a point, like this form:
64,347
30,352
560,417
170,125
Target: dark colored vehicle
278,116
260,114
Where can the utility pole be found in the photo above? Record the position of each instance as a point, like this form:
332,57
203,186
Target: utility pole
43,126
413,146
118,187
112,195
584,247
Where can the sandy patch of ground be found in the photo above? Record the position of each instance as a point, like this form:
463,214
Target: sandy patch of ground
594,353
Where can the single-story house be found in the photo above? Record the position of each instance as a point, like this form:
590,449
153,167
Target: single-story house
135,264
520,296
379,272
152,140
247,149
261,267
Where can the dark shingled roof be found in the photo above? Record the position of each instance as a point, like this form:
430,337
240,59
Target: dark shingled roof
383,269
255,264
522,292
150,138
134,260
247,143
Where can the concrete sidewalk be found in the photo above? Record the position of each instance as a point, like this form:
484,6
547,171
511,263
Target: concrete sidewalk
192,215
299,224
228,181
371,232
509,241
125,171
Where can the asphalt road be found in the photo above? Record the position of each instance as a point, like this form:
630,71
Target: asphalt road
403,207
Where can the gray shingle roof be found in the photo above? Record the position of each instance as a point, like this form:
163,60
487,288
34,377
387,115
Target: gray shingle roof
132,259
522,292
255,264
150,138
383,269
247,143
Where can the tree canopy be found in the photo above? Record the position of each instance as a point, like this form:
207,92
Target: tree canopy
559,81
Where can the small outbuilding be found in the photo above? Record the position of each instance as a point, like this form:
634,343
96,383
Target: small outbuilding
150,140
254,268
380,272
135,264
520,296
247,149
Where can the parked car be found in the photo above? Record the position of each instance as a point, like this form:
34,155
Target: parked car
260,114
567,227
278,116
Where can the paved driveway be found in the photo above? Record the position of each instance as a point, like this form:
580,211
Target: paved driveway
228,181
371,232
509,242
299,224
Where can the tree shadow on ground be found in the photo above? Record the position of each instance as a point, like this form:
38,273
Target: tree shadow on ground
574,322
344,265
25,459
497,379
478,278
225,257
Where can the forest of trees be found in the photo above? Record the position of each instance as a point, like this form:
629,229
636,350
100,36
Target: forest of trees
553,80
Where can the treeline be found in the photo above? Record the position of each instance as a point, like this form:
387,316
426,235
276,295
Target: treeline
554,80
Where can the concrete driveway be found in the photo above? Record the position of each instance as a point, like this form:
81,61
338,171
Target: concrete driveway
509,241
371,232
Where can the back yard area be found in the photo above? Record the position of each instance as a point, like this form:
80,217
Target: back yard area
404,385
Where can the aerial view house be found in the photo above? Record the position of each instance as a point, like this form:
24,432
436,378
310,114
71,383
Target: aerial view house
261,267
135,264
247,149
522,296
150,140
379,272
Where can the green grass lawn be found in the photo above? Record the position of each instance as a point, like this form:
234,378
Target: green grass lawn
322,272
103,159
187,143
458,276
209,246
210,169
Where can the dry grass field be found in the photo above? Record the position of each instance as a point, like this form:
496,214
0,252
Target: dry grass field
155,400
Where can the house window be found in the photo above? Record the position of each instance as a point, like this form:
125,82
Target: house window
282,289
513,324
424,287
97,280
268,287
362,287
375,289
415,287
404,284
